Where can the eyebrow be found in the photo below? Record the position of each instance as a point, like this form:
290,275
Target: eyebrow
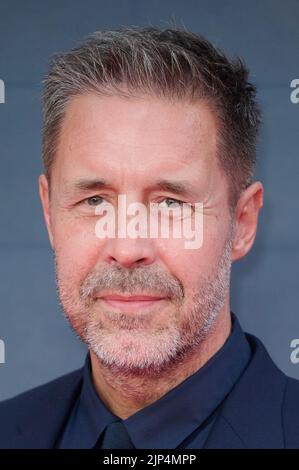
182,188
91,184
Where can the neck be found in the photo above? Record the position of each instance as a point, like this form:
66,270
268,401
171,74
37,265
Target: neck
125,394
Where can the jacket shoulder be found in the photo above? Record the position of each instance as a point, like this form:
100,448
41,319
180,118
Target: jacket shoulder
42,392
289,390
37,407
291,413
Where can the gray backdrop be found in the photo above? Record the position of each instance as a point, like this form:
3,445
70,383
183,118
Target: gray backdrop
39,344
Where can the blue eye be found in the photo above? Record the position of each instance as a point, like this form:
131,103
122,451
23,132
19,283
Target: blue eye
94,200
175,201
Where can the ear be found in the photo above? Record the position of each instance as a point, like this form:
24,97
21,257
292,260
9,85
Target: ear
45,200
246,218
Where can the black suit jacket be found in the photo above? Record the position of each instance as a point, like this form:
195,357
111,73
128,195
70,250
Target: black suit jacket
260,412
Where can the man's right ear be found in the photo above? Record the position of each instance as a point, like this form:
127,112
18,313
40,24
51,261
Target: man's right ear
45,200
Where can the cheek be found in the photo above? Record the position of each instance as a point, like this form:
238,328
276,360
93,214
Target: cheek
187,265
192,265
77,249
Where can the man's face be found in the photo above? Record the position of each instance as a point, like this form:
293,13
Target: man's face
133,144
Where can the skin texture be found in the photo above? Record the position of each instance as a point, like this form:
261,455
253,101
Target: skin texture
137,357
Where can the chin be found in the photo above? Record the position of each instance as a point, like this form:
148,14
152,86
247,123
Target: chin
134,351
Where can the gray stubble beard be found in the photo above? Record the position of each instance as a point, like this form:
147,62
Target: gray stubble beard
163,349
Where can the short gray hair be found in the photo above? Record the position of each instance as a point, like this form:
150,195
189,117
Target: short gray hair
170,63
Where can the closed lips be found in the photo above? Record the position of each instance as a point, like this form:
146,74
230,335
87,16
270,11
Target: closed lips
134,298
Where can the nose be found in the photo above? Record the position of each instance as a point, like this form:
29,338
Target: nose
129,252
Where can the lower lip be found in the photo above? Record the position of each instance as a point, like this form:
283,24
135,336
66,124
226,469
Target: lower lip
131,305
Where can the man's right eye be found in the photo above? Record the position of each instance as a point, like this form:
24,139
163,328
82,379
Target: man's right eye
94,200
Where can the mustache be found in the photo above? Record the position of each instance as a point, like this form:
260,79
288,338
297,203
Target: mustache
141,280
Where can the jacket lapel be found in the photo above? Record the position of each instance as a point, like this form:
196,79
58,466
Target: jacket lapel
251,416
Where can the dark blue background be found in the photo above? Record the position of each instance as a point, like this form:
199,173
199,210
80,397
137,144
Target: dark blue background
39,343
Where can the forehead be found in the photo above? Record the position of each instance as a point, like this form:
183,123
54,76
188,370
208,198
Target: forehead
138,138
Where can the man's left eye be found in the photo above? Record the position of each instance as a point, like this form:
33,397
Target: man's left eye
176,202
